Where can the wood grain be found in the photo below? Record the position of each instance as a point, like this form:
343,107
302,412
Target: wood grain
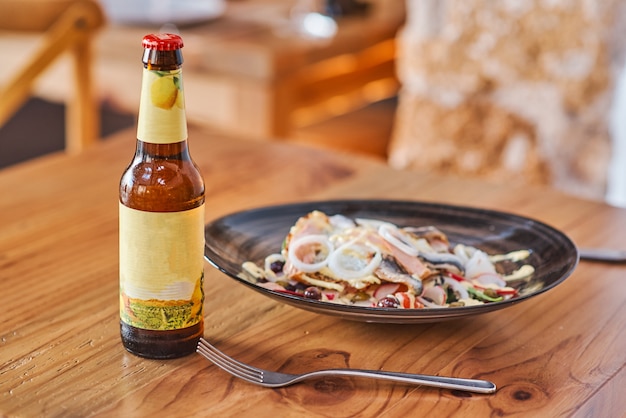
559,354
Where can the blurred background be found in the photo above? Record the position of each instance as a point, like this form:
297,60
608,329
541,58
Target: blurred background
530,92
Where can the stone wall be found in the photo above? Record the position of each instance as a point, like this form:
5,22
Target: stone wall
510,90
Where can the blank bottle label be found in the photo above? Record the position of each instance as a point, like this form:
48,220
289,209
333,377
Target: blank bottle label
161,268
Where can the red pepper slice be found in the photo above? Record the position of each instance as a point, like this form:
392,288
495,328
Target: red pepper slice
456,277
290,292
506,291
499,291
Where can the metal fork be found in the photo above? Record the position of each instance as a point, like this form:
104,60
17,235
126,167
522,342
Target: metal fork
275,380
602,254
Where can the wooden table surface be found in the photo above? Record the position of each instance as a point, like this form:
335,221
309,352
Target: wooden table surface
559,354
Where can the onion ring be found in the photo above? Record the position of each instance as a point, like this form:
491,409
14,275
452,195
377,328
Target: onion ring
392,235
457,288
337,261
269,260
295,245
489,280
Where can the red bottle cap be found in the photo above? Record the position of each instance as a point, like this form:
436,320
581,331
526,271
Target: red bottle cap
162,42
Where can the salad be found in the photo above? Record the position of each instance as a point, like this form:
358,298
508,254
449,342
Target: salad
375,263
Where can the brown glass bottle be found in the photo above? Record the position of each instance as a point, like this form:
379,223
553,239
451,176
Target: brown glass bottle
161,217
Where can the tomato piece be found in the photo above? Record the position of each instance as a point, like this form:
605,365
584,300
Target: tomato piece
506,291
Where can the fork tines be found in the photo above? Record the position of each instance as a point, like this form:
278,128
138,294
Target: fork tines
229,364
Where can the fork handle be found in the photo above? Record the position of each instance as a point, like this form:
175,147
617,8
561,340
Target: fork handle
602,254
455,383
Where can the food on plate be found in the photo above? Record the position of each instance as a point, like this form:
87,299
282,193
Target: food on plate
375,263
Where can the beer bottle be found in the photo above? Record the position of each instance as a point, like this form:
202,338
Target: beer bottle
161,215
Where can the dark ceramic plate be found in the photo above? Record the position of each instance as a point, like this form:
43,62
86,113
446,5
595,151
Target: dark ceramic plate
252,235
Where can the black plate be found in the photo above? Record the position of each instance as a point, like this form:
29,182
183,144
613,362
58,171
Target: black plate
253,234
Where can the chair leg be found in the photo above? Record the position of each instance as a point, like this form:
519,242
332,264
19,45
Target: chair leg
82,115
72,31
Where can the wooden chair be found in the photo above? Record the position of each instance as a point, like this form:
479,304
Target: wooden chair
67,26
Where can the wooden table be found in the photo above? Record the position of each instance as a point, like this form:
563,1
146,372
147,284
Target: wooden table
560,354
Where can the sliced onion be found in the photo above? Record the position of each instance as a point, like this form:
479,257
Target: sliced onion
295,245
428,304
478,264
457,288
493,280
347,266
269,260
392,235
371,223
463,252
341,222
386,289
436,294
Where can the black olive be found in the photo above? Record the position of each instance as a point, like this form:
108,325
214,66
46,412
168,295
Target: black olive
388,302
297,287
312,293
277,266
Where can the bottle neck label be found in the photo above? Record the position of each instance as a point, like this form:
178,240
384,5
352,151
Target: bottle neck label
162,117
